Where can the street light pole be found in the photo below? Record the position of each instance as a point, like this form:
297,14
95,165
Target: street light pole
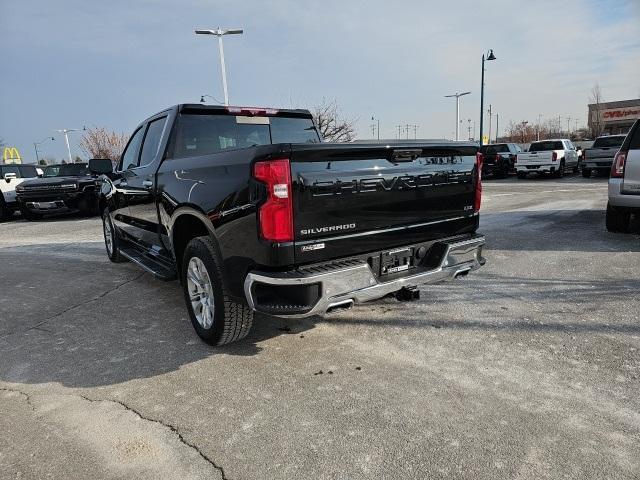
490,57
378,121
35,147
65,132
219,32
457,97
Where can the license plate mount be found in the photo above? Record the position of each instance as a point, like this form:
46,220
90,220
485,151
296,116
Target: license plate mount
398,260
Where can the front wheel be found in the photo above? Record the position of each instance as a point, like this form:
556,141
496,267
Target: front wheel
215,316
111,240
29,215
5,212
560,171
617,220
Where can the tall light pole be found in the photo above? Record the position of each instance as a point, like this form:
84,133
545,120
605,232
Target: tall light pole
538,135
219,32
35,146
490,117
65,132
490,56
497,123
374,119
457,97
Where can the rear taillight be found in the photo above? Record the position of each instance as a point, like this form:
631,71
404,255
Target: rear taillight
275,215
617,169
554,156
478,198
584,155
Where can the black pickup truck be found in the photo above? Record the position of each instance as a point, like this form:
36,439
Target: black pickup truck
63,188
251,211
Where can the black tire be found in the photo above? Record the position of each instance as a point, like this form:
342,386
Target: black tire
29,215
522,175
586,172
560,172
617,220
500,174
5,212
113,252
576,168
231,320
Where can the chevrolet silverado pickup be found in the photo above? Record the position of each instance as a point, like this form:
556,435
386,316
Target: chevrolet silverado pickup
498,159
553,157
63,188
599,157
252,212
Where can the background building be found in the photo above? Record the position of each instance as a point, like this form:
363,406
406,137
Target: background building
613,117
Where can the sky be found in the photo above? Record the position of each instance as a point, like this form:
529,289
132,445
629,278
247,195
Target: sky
75,63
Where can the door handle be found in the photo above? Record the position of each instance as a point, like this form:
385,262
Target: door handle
124,184
147,183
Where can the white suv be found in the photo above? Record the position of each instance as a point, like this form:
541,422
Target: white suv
10,176
624,183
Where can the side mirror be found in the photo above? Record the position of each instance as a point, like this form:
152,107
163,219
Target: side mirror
100,166
9,176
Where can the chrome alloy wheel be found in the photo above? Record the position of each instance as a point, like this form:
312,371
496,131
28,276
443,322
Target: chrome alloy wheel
200,292
108,234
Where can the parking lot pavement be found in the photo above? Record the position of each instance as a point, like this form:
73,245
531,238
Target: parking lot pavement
527,369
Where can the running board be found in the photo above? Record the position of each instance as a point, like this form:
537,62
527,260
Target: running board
157,269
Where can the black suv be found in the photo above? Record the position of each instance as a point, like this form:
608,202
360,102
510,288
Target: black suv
63,188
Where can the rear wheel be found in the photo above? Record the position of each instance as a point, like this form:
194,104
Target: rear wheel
560,171
617,220
111,240
586,172
215,316
522,175
575,169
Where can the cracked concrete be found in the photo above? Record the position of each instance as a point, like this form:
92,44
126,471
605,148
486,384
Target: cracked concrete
103,436
527,369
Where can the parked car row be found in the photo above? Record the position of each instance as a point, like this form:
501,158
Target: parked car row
56,189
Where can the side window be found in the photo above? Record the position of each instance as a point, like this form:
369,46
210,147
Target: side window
152,141
27,171
11,169
131,154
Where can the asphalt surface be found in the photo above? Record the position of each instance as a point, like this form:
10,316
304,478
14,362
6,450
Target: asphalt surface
526,369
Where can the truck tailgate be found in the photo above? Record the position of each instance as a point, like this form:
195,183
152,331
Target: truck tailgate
534,158
351,199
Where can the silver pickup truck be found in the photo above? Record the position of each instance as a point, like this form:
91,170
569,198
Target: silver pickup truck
599,157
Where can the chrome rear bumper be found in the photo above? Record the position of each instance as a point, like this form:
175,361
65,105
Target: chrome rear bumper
356,283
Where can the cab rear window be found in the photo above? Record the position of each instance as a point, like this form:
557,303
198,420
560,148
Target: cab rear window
199,134
546,146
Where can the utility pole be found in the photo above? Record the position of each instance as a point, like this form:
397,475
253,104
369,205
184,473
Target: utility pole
415,131
373,130
538,135
568,127
497,129
220,33
457,97
559,125
399,128
489,123
65,132
469,128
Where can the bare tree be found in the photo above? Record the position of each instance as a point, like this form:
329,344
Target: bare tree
522,132
99,142
595,114
332,126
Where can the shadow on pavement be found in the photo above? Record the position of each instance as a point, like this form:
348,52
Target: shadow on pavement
556,230
89,322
